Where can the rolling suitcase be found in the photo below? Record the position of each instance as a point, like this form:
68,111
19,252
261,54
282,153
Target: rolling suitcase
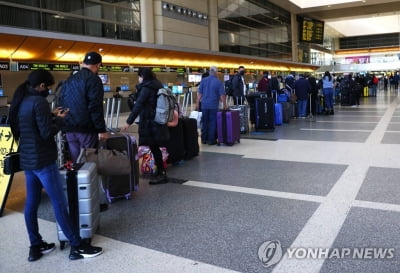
278,111
228,127
175,145
286,111
117,186
243,115
264,111
81,186
190,138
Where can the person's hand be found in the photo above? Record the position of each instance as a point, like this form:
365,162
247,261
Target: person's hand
61,112
103,136
125,127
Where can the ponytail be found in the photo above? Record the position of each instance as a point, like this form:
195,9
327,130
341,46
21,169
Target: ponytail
16,101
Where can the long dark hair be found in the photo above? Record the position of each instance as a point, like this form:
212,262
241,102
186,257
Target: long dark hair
146,73
16,101
327,74
35,78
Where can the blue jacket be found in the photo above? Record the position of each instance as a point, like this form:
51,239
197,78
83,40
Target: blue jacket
83,94
211,89
37,127
302,87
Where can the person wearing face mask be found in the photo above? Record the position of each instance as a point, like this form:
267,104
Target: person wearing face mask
34,127
150,134
83,94
239,86
264,84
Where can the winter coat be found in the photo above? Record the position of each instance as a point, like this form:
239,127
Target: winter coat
145,108
238,87
302,88
83,94
37,127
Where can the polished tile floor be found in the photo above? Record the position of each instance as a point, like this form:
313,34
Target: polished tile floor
273,203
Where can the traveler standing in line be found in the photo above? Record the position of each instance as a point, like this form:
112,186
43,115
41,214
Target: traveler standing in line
327,90
211,92
239,86
83,94
264,85
35,126
314,95
150,133
302,88
374,84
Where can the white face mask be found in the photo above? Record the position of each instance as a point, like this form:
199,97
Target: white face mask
140,79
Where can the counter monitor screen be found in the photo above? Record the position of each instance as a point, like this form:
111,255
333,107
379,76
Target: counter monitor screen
107,88
177,89
104,78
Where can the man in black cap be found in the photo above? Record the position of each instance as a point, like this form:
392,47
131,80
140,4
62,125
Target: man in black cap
83,94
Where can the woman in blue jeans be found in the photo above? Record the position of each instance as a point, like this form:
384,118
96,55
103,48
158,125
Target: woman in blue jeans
34,127
327,90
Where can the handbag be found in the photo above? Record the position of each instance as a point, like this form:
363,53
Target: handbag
11,161
108,162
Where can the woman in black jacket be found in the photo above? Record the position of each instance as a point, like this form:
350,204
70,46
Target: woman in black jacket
149,131
35,126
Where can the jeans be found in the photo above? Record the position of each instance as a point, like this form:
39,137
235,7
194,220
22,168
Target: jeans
209,128
302,107
328,97
49,179
76,141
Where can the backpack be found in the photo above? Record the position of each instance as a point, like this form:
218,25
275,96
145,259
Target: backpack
166,103
229,87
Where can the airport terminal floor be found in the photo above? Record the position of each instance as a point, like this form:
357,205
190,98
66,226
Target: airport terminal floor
319,196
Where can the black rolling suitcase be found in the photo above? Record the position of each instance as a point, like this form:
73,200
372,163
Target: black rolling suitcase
264,113
191,138
175,145
81,186
121,186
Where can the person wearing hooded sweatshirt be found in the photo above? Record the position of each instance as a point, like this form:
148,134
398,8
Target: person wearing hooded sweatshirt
149,133
34,127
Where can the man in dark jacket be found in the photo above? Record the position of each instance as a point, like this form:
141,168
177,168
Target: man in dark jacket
83,94
150,133
302,88
239,86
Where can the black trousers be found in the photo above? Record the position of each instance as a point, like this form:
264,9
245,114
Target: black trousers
155,150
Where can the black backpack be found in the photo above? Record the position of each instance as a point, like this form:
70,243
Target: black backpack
229,86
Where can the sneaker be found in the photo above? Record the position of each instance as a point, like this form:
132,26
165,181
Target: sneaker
36,252
160,179
84,250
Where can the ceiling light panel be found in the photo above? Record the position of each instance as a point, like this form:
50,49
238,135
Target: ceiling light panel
319,3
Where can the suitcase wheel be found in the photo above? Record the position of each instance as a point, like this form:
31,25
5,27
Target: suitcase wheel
128,196
62,245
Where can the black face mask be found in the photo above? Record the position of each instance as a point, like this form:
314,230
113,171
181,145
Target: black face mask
45,93
241,72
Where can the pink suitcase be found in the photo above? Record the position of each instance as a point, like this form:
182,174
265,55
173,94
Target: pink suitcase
228,127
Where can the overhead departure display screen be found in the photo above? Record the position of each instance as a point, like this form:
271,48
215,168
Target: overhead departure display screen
311,30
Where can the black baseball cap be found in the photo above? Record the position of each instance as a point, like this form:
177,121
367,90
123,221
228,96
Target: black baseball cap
92,58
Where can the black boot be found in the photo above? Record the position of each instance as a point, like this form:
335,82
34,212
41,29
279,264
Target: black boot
332,113
159,179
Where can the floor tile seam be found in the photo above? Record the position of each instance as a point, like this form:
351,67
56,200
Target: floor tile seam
325,224
258,192
376,205
347,122
378,133
335,130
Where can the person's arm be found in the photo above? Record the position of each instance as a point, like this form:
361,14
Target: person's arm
95,95
141,101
